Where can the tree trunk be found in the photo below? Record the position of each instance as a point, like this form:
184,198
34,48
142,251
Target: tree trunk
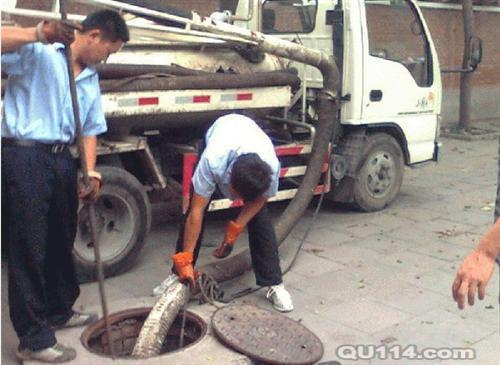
466,77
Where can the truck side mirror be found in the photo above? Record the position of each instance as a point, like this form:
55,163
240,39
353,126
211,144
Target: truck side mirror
475,51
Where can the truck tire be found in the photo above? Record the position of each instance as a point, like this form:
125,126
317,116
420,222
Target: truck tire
380,173
123,220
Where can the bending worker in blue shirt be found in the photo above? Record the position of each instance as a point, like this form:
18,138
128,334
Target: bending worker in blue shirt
39,176
239,158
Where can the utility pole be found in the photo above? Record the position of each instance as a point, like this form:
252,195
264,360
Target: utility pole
466,77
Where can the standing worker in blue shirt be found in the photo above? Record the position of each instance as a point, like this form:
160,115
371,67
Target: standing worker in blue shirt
39,176
239,158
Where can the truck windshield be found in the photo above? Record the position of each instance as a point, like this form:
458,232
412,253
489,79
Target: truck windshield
395,33
288,16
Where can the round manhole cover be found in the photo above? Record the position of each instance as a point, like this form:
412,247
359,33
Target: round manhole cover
266,336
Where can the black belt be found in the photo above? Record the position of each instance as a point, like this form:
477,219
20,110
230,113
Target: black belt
48,147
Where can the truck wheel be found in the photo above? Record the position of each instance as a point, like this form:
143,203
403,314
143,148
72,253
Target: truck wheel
380,174
123,215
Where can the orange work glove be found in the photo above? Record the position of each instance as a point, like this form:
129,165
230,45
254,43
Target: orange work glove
183,263
233,232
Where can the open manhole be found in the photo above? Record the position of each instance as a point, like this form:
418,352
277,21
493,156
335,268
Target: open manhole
126,326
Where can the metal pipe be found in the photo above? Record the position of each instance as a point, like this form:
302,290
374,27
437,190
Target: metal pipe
86,181
41,14
137,10
145,30
310,127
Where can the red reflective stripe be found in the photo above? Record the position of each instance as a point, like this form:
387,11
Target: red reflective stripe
149,101
201,99
283,171
289,150
236,203
319,189
188,163
247,96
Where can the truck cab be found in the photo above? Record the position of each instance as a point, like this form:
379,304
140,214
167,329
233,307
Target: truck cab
390,84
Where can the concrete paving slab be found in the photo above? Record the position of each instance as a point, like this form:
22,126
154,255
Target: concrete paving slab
438,328
327,236
303,264
440,249
365,315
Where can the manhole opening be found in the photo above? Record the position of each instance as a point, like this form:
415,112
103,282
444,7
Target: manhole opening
126,326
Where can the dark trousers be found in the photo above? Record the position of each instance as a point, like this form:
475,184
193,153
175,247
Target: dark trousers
39,193
263,247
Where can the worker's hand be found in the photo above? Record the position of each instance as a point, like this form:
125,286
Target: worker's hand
183,264
473,276
90,193
62,31
223,250
233,232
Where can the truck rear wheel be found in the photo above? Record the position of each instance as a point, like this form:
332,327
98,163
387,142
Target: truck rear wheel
123,220
380,174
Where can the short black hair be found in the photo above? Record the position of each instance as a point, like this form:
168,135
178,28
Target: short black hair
110,23
250,176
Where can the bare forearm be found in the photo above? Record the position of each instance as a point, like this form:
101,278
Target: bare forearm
15,37
490,243
192,230
249,210
90,144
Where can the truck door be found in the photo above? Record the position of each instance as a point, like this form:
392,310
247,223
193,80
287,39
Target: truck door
401,80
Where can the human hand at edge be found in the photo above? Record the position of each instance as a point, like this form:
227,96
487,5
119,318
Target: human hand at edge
472,277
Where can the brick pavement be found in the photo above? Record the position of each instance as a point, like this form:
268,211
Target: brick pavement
368,278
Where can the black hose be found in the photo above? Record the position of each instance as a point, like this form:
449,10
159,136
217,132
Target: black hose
328,129
108,71
209,81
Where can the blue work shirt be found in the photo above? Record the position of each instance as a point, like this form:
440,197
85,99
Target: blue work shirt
229,137
37,103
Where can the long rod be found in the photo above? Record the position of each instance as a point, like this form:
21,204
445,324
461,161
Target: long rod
148,30
86,181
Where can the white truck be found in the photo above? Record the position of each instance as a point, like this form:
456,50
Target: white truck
173,79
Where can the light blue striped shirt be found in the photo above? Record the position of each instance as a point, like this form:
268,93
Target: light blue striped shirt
37,103
229,137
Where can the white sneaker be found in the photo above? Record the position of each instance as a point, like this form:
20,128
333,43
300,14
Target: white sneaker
78,319
55,354
159,289
280,297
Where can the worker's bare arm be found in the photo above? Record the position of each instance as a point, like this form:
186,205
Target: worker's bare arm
249,210
15,37
90,145
477,268
194,221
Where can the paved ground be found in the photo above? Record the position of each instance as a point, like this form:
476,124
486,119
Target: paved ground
379,278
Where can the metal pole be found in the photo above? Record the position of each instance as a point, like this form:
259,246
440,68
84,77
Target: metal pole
466,78
86,181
